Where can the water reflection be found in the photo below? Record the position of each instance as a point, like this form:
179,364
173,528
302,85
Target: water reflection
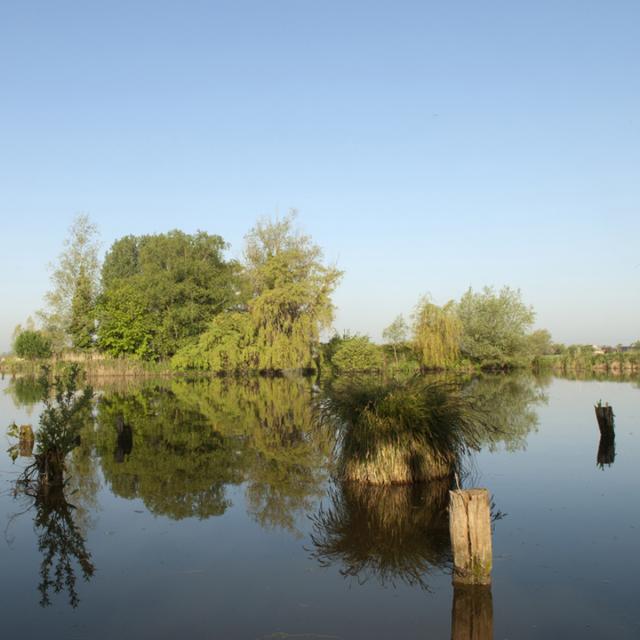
392,534
472,613
25,391
178,446
62,545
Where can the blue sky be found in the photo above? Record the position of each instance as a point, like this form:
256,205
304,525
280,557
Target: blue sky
428,146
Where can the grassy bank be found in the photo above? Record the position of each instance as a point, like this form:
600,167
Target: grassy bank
94,364
615,363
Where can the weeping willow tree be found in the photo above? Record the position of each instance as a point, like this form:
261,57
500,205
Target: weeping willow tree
436,334
291,291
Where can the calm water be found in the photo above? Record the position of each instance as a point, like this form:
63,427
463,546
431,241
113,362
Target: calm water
207,510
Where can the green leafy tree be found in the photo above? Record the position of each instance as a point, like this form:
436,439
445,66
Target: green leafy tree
436,334
82,327
289,289
396,335
168,287
356,354
74,286
31,344
495,327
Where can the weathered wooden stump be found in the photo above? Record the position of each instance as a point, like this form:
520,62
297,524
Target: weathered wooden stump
26,440
470,529
472,613
605,417
606,450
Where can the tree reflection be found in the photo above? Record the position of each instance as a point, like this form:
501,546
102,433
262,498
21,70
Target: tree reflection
396,533
178,446
509,401
62,545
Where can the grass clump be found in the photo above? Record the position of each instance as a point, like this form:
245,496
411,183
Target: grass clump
403,432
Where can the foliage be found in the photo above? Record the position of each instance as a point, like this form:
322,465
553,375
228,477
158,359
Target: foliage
403,432
539,343
126,327
65,411
396,335
228,345
160,291
290,303
82,325
32,344
436,334
357,354
494,327
291,291
74,285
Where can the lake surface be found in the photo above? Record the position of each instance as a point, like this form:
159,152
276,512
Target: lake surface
208,510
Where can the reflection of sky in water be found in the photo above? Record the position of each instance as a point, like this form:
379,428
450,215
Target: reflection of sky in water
564,555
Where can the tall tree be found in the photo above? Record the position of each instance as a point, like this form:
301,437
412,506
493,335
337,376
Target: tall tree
436,334
396,334
495,327
291,291
160,291
74,278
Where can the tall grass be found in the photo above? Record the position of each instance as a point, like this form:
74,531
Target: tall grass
403,432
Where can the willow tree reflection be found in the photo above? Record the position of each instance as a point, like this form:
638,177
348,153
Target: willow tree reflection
397,533
178,447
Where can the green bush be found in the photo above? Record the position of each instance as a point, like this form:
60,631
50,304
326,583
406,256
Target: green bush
31,345
357,354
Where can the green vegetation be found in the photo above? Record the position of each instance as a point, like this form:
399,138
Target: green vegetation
494,328
160,291
32,345
437,332
289,304
356,354
174,299
403,432
68,317
65,411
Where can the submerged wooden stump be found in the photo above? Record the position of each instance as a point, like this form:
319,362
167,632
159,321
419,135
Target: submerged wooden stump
605,417
26,440
472,613
470,529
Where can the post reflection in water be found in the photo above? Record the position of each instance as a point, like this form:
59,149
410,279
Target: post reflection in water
606,425
397,533
472,613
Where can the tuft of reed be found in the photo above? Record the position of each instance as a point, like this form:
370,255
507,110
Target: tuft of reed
389,533
403,432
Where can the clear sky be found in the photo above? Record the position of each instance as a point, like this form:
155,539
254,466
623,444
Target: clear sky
429,146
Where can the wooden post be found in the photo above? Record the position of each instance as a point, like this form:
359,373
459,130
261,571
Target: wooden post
472,613
470,529
26,440
604,415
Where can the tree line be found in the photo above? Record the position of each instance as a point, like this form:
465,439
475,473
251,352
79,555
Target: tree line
177,298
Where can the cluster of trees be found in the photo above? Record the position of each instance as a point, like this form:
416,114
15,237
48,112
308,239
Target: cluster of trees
490,329
177,296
